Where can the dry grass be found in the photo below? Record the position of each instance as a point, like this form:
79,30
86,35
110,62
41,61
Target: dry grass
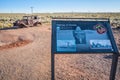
46,17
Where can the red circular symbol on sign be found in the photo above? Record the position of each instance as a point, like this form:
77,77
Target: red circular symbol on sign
100,28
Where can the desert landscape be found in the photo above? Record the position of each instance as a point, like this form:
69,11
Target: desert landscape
25,53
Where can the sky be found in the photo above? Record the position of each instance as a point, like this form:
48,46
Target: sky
51,6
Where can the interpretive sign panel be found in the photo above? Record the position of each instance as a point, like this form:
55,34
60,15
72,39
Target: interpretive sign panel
82,35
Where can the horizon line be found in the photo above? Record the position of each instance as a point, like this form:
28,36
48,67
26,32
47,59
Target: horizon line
52,12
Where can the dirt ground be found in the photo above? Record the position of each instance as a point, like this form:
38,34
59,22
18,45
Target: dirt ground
25,54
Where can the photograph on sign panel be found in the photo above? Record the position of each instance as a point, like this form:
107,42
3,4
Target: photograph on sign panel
100,44
78,38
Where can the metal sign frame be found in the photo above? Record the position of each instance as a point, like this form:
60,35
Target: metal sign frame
54,51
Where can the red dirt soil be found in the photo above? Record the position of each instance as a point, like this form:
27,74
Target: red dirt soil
15,44
26,55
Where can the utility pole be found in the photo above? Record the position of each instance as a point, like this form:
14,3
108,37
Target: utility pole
72,14
31,10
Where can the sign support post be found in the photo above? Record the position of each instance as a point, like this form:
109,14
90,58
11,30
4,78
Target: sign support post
52,67
114,66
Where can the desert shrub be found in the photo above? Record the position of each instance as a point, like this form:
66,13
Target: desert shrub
9,24
1,24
